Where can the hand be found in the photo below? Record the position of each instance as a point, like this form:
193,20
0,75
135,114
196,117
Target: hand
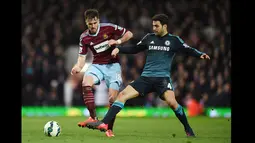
115,52
112,42
205,56
75,70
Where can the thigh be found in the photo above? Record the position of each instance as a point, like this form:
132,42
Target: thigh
162,84
142,85
96,73
112,75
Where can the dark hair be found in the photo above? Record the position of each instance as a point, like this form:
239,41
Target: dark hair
91,13
162,18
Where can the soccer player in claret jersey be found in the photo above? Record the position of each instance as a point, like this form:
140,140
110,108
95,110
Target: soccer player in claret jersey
161,48
100,39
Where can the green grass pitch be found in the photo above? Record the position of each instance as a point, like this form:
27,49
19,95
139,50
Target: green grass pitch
130,130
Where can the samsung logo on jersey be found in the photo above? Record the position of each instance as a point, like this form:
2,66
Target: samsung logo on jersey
161,48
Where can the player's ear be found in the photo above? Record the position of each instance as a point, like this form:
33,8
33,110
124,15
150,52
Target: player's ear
165,26
86,22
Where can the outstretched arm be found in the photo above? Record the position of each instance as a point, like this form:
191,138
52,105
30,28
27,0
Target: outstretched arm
128,50
141,46
190,51
128,35
184,48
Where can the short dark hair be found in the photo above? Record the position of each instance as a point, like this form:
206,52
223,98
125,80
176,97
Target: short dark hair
91,13
162,18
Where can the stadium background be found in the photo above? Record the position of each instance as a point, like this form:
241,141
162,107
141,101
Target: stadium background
50,37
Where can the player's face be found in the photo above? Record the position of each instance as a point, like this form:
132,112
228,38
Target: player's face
92,24
157,27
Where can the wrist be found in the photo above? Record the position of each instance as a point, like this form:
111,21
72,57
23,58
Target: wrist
119,41
78,66
202,54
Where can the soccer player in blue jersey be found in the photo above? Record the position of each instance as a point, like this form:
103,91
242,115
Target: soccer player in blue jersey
161,48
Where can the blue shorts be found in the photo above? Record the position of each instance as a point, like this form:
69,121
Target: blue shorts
111,73
144,85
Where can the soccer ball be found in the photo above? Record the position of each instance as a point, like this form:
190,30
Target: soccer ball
52,129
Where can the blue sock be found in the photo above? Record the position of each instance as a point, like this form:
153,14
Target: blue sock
113,111
180,114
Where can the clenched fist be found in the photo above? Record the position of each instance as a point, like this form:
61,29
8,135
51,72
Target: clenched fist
115,52
75,70
205,56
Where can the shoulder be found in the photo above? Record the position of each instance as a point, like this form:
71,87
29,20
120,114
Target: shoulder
176,38
84,34
84,37
148,35
151,34
111,25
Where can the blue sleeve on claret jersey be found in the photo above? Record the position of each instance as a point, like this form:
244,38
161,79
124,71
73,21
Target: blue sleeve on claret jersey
181,46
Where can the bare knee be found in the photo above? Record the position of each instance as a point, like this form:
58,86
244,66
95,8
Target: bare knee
128,93
87,81
170,99
112,98
172,104
113,95
121,97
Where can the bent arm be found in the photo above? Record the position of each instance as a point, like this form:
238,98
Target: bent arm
81,61
128,35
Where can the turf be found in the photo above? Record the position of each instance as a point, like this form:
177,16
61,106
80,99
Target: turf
130,130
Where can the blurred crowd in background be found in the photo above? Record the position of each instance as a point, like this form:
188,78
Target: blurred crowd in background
50,38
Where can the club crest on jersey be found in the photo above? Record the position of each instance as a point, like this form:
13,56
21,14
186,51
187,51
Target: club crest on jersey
167,43
105,36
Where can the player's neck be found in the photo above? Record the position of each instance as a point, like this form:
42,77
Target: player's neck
164,33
